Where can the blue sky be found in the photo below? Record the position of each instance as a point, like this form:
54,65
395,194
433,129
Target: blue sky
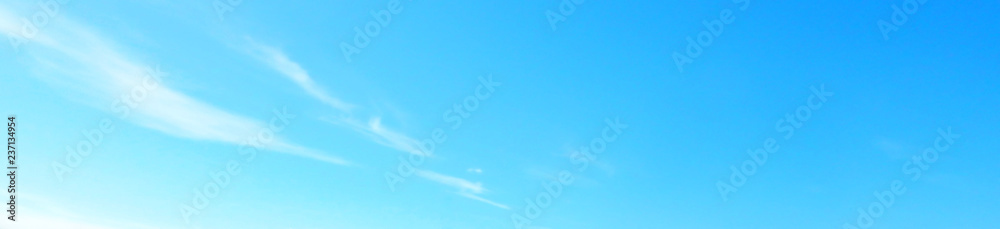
258,103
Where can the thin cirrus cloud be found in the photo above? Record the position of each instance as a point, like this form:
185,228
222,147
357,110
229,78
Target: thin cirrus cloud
280,62
474,170
378,133
373,129
82,57
465,188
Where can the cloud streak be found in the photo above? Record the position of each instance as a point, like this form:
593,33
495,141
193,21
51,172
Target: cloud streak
280,62
373,129
378,133
465,188
97,68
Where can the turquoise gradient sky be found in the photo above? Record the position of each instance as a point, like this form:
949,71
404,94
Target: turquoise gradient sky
354,120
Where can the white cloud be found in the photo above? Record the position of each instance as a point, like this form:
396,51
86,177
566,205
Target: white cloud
465,188
462,184
484,200
373,129
378,133
94,65
277,60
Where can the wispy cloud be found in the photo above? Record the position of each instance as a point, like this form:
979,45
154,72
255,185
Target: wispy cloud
378,133
373,128
277,60
462,184
82,57
484,200
466,188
